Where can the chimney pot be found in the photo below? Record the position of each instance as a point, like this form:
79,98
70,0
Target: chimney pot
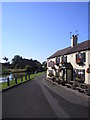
73,40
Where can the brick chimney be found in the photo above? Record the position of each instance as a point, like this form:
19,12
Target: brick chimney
74,40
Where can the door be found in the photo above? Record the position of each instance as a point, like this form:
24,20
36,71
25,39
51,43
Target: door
69,75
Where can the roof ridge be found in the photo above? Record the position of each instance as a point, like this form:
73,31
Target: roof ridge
68,50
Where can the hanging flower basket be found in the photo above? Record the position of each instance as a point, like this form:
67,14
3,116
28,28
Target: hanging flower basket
57,75
79,61
62,62
53,67
88,70
60,69
57,63
50,74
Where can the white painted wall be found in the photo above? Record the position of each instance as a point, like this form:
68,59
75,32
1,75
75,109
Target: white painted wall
88,63
72,59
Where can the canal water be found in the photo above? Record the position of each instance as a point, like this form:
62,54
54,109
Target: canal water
3,78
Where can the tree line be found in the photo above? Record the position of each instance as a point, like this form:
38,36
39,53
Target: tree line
22,63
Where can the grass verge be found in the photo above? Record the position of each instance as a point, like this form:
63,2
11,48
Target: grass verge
12,83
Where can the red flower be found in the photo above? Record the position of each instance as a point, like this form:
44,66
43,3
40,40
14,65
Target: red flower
78,60
62,62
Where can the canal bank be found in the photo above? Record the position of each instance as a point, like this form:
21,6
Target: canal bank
17,80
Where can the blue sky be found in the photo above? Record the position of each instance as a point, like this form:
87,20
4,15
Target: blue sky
37,30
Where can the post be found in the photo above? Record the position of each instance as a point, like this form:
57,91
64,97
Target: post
16,80
29,76
21,78
8,83
25,77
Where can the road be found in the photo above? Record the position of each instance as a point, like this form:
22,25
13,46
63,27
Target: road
40,98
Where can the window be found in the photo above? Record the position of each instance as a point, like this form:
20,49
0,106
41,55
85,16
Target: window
77,57
84,57
81,57
64,59
57,60
80,75
51,64
50,73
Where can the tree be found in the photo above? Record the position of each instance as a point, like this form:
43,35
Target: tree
16,60
5,58
44,65
28,68
16,66
37,65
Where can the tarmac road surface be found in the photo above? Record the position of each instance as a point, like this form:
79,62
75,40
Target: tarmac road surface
40,98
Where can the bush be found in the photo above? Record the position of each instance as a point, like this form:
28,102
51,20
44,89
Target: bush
16,66
28,68
5,71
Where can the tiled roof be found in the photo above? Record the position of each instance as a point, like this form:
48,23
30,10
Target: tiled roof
60,52
79,47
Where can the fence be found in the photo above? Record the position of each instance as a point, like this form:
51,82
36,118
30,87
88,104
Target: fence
16,80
